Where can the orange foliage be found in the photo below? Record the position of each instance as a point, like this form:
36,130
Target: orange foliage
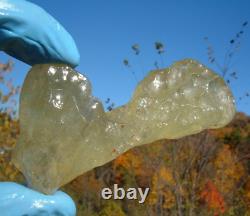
166,176
130,161
162,183
247,193
9,130
228,170
213,199
222,133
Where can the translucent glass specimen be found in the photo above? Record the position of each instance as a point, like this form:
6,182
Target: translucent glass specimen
66,132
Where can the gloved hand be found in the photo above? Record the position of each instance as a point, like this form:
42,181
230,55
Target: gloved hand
17,200
30,34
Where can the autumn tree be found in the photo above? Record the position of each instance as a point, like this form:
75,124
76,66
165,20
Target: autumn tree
8,91
9,124
111,208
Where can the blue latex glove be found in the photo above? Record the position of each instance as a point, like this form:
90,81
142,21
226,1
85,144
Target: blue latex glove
17,200
30,34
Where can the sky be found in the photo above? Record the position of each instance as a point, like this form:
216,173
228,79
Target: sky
104,32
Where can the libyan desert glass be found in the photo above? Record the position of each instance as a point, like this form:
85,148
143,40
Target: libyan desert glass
66,132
